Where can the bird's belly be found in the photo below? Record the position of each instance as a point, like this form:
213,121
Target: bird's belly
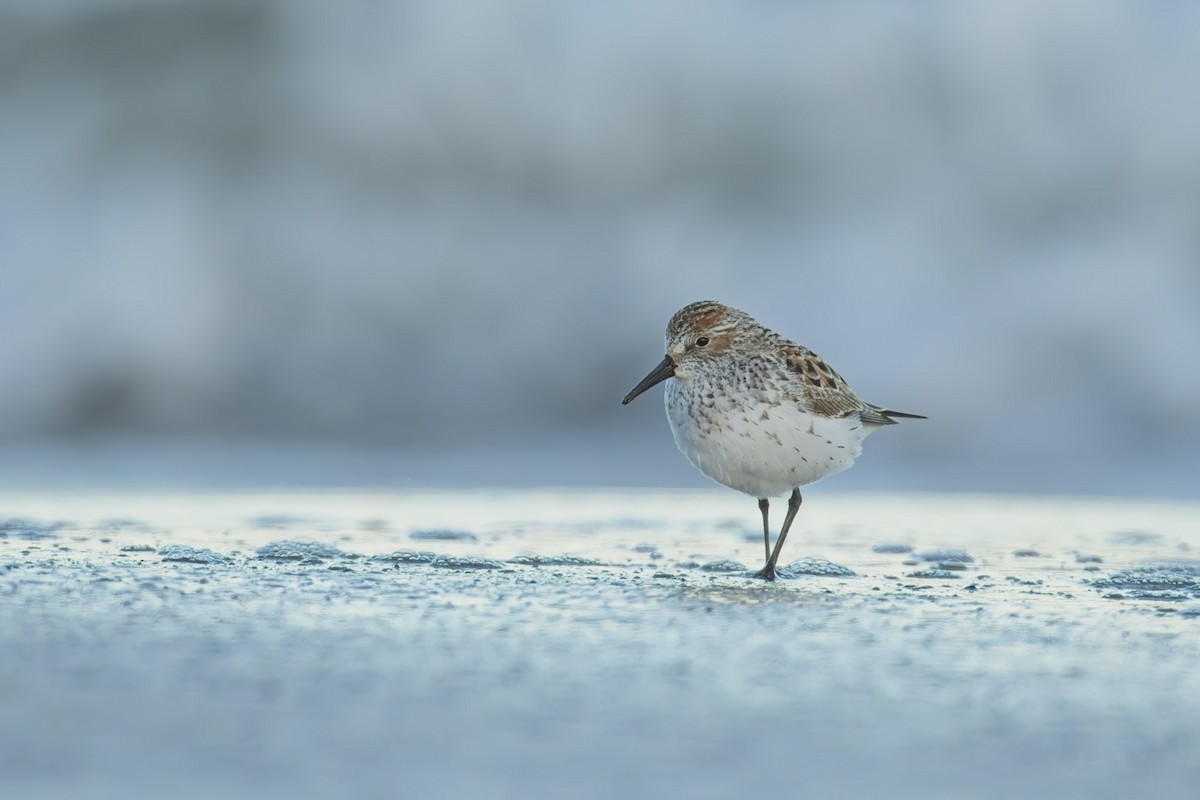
764,449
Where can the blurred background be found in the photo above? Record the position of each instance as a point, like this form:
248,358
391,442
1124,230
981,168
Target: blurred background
418,243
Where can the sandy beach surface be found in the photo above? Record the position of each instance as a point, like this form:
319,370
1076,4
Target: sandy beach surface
595,644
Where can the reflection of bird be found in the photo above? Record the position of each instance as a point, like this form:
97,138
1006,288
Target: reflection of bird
756,412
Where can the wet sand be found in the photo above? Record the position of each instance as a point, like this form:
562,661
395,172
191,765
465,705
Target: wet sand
597,645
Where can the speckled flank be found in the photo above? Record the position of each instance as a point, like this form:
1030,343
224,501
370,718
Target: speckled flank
762,449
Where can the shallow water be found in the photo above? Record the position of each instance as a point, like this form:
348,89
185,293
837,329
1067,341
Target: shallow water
595,644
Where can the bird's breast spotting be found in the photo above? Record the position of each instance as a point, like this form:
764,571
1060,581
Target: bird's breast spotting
759,447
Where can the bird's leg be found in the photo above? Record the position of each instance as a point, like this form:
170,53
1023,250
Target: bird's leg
762,506
768,572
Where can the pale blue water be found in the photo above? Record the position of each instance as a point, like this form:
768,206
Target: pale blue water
594,644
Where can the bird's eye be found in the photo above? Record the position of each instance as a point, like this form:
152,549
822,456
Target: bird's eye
702,341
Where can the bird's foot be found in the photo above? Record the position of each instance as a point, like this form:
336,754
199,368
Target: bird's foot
767,573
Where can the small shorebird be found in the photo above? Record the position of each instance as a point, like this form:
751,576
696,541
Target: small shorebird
756,412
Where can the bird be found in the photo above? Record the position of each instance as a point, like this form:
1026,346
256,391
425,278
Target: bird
757,412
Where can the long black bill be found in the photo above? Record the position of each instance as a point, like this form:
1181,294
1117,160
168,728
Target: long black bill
664,370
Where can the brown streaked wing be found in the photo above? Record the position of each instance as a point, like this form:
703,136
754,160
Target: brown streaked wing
827,392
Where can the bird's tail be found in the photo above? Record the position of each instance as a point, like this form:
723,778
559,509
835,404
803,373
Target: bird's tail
887,412
884,416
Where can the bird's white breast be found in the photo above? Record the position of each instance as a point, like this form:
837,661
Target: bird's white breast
762,448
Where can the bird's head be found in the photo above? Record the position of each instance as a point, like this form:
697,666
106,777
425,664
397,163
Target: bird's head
696,335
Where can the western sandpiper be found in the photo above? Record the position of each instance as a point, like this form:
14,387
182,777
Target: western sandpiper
756,412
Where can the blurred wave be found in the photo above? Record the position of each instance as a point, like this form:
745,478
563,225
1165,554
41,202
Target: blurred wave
435,225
